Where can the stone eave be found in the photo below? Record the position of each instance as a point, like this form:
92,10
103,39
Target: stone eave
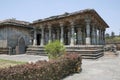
61,16
66,15
16,23
101,19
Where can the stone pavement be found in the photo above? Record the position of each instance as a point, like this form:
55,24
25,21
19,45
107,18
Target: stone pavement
105,68
24,57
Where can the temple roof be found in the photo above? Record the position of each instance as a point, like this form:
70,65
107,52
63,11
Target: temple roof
15,22
66,14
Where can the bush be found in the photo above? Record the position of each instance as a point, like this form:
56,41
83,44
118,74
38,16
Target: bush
43,70
54,49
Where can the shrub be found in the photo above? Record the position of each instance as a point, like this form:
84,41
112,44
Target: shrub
43,70
54,49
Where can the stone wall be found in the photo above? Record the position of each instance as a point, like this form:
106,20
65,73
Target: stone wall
12,34
3,43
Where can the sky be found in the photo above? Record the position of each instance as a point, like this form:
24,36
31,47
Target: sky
31,10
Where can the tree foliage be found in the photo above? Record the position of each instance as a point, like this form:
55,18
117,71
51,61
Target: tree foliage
107,35
54,49
112,34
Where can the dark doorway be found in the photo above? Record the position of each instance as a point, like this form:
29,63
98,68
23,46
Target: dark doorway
20,49
66,36
38,39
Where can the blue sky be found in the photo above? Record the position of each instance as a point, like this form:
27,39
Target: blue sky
30,10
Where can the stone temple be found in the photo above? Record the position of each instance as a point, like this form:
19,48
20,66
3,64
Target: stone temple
82,32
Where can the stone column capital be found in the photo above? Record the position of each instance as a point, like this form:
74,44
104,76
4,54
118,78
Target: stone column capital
41,27
49,25
61,23
72,23
93,24
79,28
87,21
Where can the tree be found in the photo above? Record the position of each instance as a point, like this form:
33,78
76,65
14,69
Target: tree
54,49
107,35
112,34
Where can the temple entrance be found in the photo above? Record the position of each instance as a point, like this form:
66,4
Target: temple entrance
20,49
38,39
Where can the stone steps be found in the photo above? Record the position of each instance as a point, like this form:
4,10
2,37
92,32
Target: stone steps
35,50
86,53
93,56
4,50
89,54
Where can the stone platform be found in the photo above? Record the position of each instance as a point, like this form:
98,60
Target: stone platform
87,51
4,50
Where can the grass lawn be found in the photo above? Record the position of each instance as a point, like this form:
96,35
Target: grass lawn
7,63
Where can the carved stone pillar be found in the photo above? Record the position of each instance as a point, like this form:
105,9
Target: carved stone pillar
88,40
62,32
97,37
49,28
79,36
83,36
58,34
103,37
42,36
100,37
72,34
93,34
35,38
69,36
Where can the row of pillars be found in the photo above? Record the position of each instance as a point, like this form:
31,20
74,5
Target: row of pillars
96,38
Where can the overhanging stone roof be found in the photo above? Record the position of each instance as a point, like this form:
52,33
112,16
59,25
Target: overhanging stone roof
91,11
66,14
15,22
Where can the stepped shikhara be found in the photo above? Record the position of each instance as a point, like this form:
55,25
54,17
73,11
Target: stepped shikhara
82,32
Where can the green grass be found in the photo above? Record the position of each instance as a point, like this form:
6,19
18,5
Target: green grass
8,63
